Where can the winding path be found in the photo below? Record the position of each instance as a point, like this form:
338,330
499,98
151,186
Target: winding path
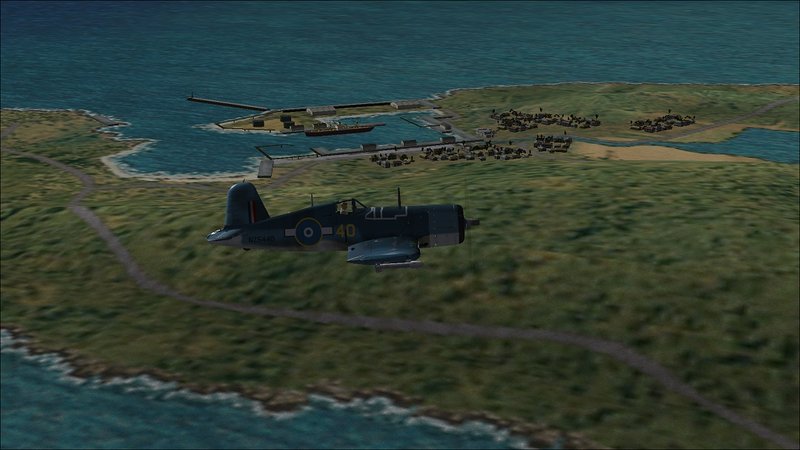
616,350
283,179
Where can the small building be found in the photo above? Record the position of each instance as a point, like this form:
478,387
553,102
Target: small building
484,132
298,128
406,104
258,123
448,139
321,110
286,118
369,147
288,125
408,143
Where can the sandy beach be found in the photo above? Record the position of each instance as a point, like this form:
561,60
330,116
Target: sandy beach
652,153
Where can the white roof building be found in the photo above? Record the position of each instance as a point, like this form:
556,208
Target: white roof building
406,104
321,110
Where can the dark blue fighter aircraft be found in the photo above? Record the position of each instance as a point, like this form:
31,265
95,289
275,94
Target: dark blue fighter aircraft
388,237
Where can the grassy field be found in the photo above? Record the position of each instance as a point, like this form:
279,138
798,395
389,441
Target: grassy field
618,104
693,264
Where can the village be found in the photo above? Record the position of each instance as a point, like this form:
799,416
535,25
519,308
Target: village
476,151
516,121
663,123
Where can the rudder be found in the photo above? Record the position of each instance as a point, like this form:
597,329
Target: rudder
244,206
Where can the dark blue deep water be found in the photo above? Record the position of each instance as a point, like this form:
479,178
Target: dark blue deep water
137,61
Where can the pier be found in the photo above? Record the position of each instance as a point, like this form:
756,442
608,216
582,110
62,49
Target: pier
228,104
295,109
265,168
106,121
351,105
322,153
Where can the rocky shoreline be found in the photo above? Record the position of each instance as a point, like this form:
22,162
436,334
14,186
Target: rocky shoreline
282,400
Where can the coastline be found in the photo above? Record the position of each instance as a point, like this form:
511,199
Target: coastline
594,151
439,96
139,144
280,401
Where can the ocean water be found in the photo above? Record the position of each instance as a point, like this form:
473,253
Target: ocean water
138,61
44,407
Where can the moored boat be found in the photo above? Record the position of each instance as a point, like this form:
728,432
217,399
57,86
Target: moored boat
341,129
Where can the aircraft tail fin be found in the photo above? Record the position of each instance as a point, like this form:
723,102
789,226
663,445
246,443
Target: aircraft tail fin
244,206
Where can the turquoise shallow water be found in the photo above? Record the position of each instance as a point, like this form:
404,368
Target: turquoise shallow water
779,146
137,61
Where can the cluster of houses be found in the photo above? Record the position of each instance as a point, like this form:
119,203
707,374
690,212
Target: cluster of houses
516,121
387,160
472,152
452,153
552,143
662,123
479,152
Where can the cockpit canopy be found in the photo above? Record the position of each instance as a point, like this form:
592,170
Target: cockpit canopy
349,206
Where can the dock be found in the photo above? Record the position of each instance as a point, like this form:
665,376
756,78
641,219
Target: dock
228,104
324,153
265,168
106,121
350,105
293,109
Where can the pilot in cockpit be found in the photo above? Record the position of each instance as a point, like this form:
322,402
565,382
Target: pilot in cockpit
343,207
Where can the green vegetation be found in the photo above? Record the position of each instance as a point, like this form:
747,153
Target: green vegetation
618,104
693,264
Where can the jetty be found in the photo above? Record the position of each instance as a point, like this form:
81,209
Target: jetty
228,104
106,121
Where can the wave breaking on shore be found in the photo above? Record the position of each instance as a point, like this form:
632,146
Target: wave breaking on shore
153,388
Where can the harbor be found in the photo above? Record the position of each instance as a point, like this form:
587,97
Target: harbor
224,103
269,161
311,120
319,121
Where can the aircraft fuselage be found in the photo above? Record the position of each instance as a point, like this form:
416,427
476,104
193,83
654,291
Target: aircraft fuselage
323,228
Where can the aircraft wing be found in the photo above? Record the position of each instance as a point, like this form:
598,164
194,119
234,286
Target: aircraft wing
388,250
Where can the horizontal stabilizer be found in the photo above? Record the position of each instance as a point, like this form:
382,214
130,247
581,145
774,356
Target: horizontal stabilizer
472,223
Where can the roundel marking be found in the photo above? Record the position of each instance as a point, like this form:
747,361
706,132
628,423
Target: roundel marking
308,231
